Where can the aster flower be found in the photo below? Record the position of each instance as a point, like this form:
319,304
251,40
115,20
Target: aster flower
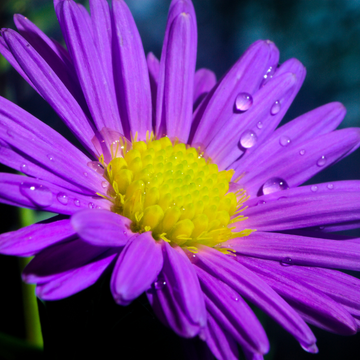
185,188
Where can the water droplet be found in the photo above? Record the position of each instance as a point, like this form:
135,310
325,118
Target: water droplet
24,169
104,184
330,186
248,139
275,108
302,152
269,74
50,157
313,349
321,161
286,262
38,194
96,166
62,198
235,297
124,232
159,284
77,202
314,188
284,140
91,205
259,125
274,184
85,174
243,102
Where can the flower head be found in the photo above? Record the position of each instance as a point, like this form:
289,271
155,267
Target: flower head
185,188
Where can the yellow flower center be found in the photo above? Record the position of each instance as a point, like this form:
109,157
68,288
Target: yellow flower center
171,190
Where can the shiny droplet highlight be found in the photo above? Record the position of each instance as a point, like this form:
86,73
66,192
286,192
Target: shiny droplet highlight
62,198
38,194
321,161
284,140
248,139
276,107
243,102
273,185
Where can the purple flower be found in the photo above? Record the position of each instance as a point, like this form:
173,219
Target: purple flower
184,187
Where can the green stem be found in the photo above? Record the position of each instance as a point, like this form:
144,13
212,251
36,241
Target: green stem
31,312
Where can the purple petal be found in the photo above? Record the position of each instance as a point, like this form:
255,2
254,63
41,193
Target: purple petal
177,298
4,50
52,55
245,76
59,258
102,227
136,268
204,81
176,74
31,239
249,285
131,73
314,306
306,206
35,145
50,87
153,66
300,250
296,164
37,194
98,93
73,281
310,125
248,330
252,356
220,342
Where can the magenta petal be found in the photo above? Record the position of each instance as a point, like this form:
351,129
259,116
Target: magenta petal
314,306
248,330
131,73
50,87
240,132
30,240
59,258
296,164
176,74
36,194
204,81
94,82
102,227
220,342
306,206
73,281
300,250
136,268
249,285
245,76
307,126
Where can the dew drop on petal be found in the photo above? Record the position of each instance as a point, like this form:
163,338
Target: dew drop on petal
314,188
77,202
243,102
330,186
259,125
235,297
274,184
286,262
85,174
284,140
50,157
248,139
24,169
104,184
62,198
38,194
96,166
159,284
302,152
275,108
313,349
91,205
321,161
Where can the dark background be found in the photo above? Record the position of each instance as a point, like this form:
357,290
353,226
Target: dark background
323,35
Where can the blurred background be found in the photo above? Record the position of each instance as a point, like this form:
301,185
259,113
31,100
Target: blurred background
323,35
